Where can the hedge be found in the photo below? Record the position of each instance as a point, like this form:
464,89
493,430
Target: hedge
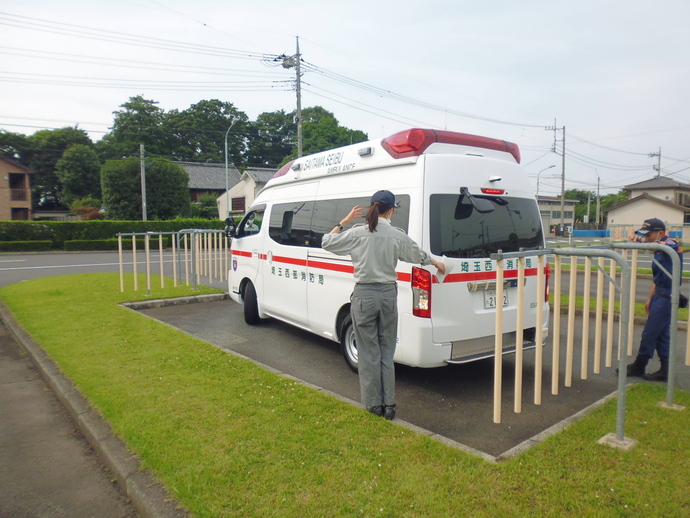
61,231
111,244
25,246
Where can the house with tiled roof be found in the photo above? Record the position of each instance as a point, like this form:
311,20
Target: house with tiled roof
243,193
205,178
659,197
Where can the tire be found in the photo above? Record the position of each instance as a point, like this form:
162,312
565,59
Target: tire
251,305
348,344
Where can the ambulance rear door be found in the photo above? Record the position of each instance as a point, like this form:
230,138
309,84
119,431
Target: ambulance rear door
464,304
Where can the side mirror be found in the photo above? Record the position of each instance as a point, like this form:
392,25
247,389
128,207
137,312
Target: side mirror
229,228
230,231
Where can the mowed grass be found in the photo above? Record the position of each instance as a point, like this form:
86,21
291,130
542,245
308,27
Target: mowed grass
230,439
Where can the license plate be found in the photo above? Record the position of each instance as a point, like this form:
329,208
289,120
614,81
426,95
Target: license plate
490,299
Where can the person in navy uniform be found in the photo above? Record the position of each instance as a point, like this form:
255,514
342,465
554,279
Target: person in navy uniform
656,334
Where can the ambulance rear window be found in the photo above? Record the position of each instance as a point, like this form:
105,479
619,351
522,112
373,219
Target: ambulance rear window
458,230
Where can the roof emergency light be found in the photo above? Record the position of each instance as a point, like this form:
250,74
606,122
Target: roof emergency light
413,142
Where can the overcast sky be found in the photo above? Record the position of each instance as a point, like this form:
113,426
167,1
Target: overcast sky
615,74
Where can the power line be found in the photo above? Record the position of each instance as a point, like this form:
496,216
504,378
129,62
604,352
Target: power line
81,31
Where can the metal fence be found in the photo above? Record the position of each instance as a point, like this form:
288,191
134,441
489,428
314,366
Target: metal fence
195,253
603,338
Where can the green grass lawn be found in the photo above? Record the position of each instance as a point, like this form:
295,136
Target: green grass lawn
230,439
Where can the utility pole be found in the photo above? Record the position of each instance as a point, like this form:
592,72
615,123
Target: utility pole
143,181
657,167
598,200
298,58
554,128
289,62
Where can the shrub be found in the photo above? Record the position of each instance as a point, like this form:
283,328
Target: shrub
25,246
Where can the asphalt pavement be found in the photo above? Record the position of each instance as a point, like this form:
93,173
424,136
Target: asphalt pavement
47,467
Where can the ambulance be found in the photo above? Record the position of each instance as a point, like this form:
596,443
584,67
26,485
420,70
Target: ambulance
462,197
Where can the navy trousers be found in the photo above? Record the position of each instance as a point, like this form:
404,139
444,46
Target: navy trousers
656,335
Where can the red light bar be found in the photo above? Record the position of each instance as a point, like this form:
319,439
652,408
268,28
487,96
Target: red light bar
492,191
283,169
415,141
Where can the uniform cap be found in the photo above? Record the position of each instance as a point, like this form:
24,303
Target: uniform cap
651,225
386,198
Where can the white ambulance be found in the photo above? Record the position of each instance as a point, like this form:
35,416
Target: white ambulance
462,198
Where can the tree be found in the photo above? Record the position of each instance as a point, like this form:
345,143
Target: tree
167,190
140,122
49,146
199,132
79,172
581,207
321,131
611,200
207,208
272,138
15,146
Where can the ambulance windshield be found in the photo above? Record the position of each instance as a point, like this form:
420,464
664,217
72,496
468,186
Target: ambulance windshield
459,230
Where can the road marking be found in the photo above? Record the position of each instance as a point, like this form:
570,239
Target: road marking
75,266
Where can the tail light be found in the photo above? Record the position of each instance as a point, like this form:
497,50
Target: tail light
421,293
547,275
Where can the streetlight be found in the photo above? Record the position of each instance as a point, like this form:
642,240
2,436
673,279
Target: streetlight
540,172
227,181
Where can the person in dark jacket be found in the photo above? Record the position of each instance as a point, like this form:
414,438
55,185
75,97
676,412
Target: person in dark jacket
656,335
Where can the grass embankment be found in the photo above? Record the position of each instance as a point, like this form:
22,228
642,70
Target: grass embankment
230,439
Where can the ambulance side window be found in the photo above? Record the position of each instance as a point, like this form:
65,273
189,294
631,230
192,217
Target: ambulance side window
251,223
289,223
329,212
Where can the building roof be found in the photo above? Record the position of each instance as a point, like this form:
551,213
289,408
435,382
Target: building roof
556,198
260,174
649,197
658,182
211,177
16,164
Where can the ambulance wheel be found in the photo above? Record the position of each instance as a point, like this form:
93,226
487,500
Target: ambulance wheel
251,306
348,344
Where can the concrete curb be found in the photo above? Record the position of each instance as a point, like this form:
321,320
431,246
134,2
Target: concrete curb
176,301
147,494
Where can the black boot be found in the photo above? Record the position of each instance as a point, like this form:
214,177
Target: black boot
637,367
660,375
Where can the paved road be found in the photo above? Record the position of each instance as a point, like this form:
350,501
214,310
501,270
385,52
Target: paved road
47,468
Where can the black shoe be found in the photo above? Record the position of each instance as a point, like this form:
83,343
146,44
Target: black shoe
636,369
660,375
376,410
389,412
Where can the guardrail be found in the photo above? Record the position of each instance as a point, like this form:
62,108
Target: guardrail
623,291
196,253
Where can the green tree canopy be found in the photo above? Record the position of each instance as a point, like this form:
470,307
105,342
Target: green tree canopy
139,122
199,132
79,172
49,146
321,131
167,190
272,138
15,146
